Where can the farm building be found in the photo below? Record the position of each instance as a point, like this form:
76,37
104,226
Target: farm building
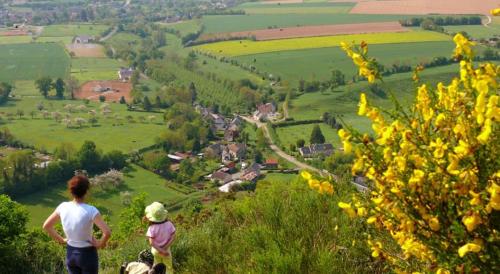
265,112
315,150
125,74
271,163
83,39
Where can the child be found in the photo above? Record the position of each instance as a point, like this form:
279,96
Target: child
161,234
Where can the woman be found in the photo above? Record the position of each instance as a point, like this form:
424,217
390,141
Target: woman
77,220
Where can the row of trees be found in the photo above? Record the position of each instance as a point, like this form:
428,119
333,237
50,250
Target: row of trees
45,84
5,90
22,175
442,21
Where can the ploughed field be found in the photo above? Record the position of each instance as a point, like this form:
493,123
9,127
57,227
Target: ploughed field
311,31
425,7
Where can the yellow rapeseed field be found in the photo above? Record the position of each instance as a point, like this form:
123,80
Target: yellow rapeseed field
247,47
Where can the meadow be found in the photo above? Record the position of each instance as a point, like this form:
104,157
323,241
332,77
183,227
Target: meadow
87,69
73,30
184,27
109,133
247,47
233,23
6,40
137,180
317,64
290,135
477,32
296,8
31,61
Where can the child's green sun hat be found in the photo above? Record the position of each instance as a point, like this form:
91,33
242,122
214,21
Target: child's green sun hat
156,212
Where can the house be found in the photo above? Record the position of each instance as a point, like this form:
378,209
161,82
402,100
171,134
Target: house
227,187
315,150
237,150
265,112
218,122
125,74
251,173
231,133
83,39
214,151
271,163
221,177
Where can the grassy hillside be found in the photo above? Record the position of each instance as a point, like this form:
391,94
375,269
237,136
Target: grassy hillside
73,30
296,8
137,180
86,69
31,61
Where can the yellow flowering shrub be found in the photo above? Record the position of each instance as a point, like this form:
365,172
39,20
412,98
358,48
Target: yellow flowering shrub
433,170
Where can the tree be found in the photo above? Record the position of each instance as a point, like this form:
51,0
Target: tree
147,104
44,84
89,157
134,79
158,103
338,79
317,136
122,100
72,86
59,86
301,143
261,139
102,98
65,151
14,219
193,92
115,159
5,90
258,157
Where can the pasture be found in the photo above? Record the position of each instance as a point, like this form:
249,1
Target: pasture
112,131
317,64
89,69
86,50
40,205
290,135
477,32
425,7
247,47
234,23
6,40
73,30
31,61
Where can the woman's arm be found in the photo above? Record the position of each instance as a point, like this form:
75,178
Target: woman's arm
106,232
48,226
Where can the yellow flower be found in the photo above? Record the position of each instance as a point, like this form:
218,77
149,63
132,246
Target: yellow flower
442,271
371,220
453,166
439,148
492,111
485,132
348,209
494,191
344,135
468,248
416,178
495,12
400,162
314,184
358,165
362,105
434,224
361,211
306,175
471,222
325,187
463,46
476,199
462,149
347,146
440,120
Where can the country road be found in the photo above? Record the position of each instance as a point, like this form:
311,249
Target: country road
292,159
278,150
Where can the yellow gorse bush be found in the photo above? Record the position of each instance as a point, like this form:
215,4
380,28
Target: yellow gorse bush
433,169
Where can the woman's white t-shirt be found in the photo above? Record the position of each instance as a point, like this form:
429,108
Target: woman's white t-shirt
77,220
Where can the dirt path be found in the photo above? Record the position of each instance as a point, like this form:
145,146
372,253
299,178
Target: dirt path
487,24
109,35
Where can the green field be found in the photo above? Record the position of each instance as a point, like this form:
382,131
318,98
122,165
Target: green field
5,40
40,205
477,32
296,8
184,27
230,23
248,47
290,135
122,39
56,39
73,30
108,134
31,61
318,63
87,69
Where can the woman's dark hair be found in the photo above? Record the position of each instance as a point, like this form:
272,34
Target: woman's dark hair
78,186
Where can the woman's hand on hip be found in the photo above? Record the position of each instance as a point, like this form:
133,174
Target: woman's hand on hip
97,244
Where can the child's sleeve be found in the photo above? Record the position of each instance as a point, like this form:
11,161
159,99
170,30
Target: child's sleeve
150,233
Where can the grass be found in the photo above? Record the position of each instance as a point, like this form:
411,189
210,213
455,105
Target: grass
184,27
290,135
87,69
317,64
56,39
73,30
296,8
108,134
31,61
122,39
5,40
477,32
40,205
247,47
231,23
